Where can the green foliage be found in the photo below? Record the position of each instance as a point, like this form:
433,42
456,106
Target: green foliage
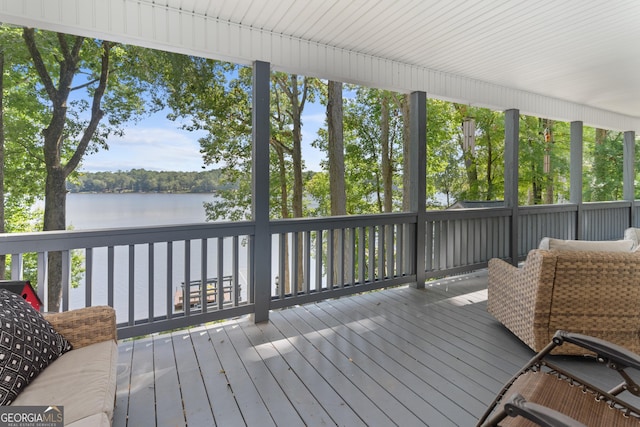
144,181
214,98
363,168
604,157
537,186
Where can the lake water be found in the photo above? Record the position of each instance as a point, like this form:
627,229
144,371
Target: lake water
91,211
100,211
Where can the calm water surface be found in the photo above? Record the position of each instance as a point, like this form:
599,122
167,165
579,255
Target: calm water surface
100,211
91,211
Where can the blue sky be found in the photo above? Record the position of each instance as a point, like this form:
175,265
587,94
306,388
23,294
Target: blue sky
158,144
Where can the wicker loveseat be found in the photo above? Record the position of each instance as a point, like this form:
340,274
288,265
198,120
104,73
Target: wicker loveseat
82,380
588,292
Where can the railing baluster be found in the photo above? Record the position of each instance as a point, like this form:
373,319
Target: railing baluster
340,258
382,273
282,265
250,270
390,245
151,281
361,255
330,258
399,249
204,302
17,266
372,254
220,269
295,270
429,251
110,276
88,277
43,291
235,288
319,286
307,262
186,289
169,297
66,276
132,284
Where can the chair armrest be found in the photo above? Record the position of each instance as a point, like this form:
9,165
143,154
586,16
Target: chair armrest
520,298
85,326
540,415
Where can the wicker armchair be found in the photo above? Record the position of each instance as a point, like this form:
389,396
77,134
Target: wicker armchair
85,326
591,293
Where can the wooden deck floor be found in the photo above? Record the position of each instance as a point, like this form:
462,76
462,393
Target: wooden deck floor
395,357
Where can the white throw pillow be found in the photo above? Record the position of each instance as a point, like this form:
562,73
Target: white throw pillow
633,234
586,245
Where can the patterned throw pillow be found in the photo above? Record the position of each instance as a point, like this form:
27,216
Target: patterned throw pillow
28,344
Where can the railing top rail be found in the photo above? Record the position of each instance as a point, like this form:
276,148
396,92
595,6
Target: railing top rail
468,213
606,205
11,243
344,221
541,209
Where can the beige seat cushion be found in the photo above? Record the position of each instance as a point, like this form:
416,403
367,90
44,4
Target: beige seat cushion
82,380
586,245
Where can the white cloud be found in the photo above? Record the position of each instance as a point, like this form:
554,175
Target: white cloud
152,148
158,144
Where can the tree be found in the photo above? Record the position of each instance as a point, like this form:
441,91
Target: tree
65,65
335,152
544,160
21,119
605,177
445,175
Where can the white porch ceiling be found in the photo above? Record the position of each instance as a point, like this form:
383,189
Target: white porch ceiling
567,60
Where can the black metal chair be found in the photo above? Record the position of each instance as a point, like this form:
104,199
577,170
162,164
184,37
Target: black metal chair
544,394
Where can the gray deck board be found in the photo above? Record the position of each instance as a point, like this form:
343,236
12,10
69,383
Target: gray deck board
197,407
223,402
168,403
123,380
142,389
239,380
400,356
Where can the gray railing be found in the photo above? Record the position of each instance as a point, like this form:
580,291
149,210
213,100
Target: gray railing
465,239
141,271
536,222
161,278
605,220
320,258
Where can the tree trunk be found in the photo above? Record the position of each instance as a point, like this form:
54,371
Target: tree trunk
336,176
385,143
336,149
406,153
489,168
284,211
3,258
297,106
54,219
548,172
